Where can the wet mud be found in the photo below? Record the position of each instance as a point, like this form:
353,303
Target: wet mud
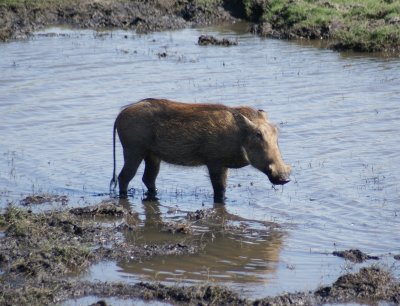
42,255
205,40
20,21
45,198
354,255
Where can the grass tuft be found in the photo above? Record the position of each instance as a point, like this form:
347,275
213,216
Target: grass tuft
362,25
44,243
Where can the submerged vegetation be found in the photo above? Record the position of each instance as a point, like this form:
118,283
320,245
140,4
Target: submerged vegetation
360,25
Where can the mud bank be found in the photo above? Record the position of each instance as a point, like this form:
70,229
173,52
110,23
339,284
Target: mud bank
18,19
369,26
369,285
42,254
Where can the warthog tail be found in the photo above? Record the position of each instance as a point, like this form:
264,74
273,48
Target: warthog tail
114,181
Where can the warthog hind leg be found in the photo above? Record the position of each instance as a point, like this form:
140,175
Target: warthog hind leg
152,167
132,162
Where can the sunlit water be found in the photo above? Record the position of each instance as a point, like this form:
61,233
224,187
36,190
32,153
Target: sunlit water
339,118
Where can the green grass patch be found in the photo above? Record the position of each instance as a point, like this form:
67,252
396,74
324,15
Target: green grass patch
29,3
208,2
362,38
365,25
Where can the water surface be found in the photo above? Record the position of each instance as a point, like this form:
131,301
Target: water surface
339,119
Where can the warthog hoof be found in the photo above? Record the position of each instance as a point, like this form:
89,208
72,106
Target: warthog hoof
151,196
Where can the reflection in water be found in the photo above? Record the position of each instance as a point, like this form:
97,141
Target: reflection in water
233,249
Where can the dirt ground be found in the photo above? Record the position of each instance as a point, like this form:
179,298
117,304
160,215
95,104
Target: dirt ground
40,251
19,21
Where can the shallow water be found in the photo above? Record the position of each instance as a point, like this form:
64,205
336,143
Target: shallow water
338,114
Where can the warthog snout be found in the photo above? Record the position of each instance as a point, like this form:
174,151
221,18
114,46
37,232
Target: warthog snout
279,176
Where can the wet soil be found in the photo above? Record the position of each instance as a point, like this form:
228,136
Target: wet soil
205,40
45,198
354,255
19,21
41,254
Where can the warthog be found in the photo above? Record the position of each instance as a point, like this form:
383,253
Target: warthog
217,136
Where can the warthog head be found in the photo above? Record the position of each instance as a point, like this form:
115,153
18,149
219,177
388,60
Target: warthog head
261,149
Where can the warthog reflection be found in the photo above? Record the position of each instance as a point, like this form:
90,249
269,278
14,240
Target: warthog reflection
232,248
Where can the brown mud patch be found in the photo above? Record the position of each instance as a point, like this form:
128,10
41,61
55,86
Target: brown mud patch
21,19
44,198
206,40
42,254
368,285
354,255
106,208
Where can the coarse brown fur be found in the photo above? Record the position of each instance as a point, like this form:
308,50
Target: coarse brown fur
214,135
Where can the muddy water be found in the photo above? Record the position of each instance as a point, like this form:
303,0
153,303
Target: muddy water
339,116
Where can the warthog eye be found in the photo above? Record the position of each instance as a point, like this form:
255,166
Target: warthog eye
259,135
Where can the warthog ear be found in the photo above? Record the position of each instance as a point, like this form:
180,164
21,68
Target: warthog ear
263,114
244,123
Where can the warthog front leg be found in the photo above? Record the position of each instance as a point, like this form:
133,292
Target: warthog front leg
152,167
218,177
